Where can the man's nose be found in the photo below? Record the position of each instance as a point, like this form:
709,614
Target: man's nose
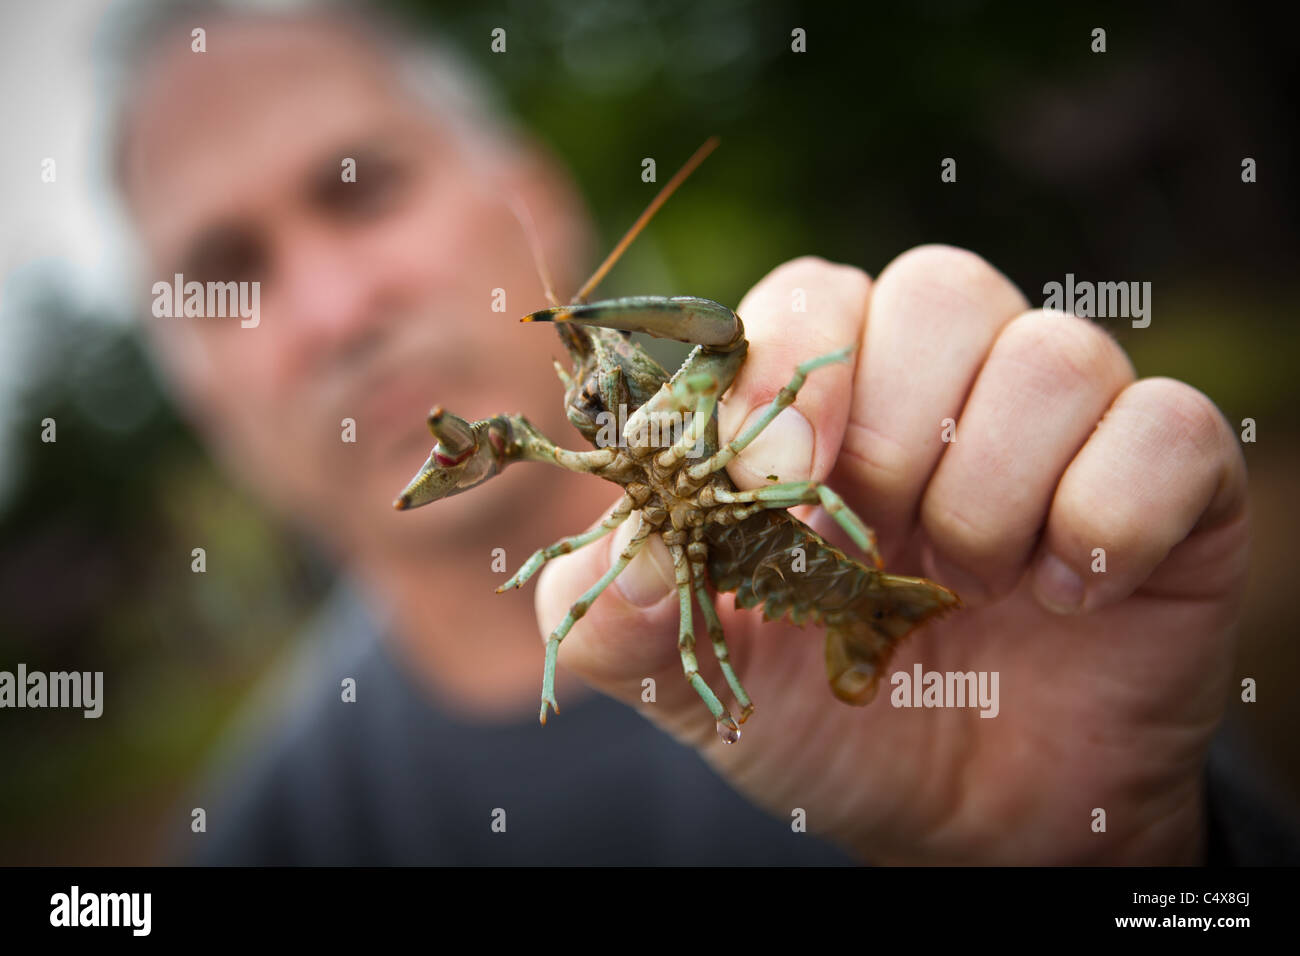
329,295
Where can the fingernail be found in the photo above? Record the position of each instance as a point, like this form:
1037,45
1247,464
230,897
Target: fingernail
1056,585
784,448
649,577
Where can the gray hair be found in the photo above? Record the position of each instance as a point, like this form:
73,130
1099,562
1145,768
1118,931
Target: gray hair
435,74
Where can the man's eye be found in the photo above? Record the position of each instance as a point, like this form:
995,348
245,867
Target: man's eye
228,258
378,186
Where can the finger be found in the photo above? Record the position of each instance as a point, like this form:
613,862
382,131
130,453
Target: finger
801,310
933,316
1162,463
1047,381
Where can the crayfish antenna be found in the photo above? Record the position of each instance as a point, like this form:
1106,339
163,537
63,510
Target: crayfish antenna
670,187
535,246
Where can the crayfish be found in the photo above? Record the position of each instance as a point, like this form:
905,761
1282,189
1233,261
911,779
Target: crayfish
667,458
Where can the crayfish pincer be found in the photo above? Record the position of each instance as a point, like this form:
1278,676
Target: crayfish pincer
665,454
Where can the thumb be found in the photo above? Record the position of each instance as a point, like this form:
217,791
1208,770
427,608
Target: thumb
628,634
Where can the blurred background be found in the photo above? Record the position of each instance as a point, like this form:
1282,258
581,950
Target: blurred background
1117,166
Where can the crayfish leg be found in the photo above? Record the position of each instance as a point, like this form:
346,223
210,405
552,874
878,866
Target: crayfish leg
727,728
579,608
569,545
784,399
720,651
697,552
789,494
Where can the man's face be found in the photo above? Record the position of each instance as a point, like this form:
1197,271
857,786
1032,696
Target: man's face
376,295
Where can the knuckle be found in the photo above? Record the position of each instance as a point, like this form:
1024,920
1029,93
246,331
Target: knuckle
957,529
846,283
769,299
832,307
851,283
809,261
948,277
879,461
802,267
1065,349
1090,515
1186,413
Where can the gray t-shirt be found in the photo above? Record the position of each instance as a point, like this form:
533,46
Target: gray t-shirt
392,779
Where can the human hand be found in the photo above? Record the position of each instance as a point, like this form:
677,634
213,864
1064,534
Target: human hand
1110,684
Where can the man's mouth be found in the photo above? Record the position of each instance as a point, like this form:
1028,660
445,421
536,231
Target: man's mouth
388,389
398,404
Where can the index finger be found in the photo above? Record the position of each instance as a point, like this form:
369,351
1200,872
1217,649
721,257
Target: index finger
803,309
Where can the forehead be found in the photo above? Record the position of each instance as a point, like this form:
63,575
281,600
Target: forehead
224,131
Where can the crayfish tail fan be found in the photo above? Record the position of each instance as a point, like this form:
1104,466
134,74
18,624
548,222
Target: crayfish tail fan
859,646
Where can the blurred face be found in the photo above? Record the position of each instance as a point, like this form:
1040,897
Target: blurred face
375,295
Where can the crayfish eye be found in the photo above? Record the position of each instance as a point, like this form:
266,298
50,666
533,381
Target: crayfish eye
589,399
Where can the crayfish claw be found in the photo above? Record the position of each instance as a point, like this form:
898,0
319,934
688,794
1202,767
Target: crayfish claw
455,435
